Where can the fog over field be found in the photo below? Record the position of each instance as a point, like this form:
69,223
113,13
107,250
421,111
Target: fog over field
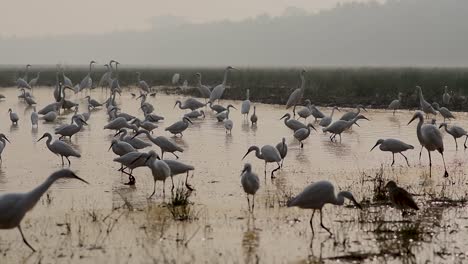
390,33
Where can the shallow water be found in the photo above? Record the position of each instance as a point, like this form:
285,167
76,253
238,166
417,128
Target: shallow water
110,221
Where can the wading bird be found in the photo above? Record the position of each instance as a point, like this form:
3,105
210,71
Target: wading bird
455,132
93,102
217,108
250,184
179,126
395,104
296,96
305,111
160,170
245,107
400,198
143,85
119,123
165,144
425,106
293,124
3,145
177,168
430,138
195,114
14,206
218,91
326,121
350,115
394,146
23,82
33,81
120,147
203,89
228,124
131,161
87,81
446,114
340,126
60,148
253,117
282,148
34,118
316,113
72,129
303,133
223,115
316,195
13,117
269,154
446,96
135,142
190,103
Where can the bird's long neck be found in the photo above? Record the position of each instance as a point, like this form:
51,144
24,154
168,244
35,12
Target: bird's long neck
258,154
421,96
254,110
26,74
49,139
333,111
302,82
420,123
248,94
148,135
199,82
34,195
90,65
225,76
339,199
358,110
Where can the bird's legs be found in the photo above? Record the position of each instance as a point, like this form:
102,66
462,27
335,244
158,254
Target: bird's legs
393,159
62,161
273,171
443,159
253,202
265,168
340,137
321,223
281,161
186,183
311,224
420,152
154,190
405,158
24,239
394,111
172,180
465,141
294,110
248,201
430,160
456,144
131,178
69,163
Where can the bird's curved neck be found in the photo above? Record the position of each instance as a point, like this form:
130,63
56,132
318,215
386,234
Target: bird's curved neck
358,110
34,195
258,154
225,76
333,111
49,139
248,94
302,82
339,199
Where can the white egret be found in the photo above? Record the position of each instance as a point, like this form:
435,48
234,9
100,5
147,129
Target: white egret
395,104
316,113
133,160
245,107
269,154
394,146
135,142
228,124
446,114
305,111
60,148
145,106
165,144
217,108
175,78
153,117
34,117
296,96
340,126
195,114
282,148
72,129
326,121
160,170
218,91
150,126
203,89
14,206
120,147
223,115
430,138
33,81
425,106
50,116
350,115
13,117
142,84
316,195
179,126
29,100
400,198
446,96
250,184
455,132
93,102
293,124
253,117
190,103
23,82
119,123
87,81
3,144
303,133
104,81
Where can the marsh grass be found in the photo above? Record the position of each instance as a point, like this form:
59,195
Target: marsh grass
180,206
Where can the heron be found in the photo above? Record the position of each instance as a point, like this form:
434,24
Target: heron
253,117
50,116
150,126
120,147
305,111
86,115
119,123
115,85
316,195
67,104
160,170
33,81
191,103
394,146
34,118
24,94
3,140
133,160
126,116
23,82
195,114
179,126
223,115
250,184
446,96
60,148
282,148
164,143
218,91
145,106
203,89
93,102
13,117
72,129
400,198
66,81
303,133
29,100
425,106
293,124
269,154
296,96
177,168
327,120
153,117
217,108
245,107
87,81
104,81
228,124
143,85
350,115
135,142
430,138
340,126
316,113
455,132
446,114
395,104
14,206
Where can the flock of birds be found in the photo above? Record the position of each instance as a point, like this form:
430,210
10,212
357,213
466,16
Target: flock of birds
128,147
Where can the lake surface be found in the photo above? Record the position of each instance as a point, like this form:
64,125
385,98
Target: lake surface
108,221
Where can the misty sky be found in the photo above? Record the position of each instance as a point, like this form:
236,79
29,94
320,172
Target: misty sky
54,17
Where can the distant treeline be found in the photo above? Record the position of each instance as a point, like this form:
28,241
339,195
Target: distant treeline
374,87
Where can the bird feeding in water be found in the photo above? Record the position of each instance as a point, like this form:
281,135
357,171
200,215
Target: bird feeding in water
350,115
340,126
394,146
296,96
179,126
250,184
253,117
269,154
13,117
60,148
165,144
395,104
245,107
326,121
430,138
303,133
400,198
218,91
455,132
316,195
282,148
14,206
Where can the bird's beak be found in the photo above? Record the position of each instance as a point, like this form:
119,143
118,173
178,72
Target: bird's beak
6,139
78,178
283,116
412,119
84,122
364,109
313,127
111,146
188,119
356,203
243,170
138,97
175,105
40,138
376,144
246,155
440,126
136,134
139,156
234,107
118,133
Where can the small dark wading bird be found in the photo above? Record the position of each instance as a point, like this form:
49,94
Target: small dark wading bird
394,146
250,184
14,206
400,198
316,195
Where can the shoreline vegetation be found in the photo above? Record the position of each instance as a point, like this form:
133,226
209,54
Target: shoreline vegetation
343,87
